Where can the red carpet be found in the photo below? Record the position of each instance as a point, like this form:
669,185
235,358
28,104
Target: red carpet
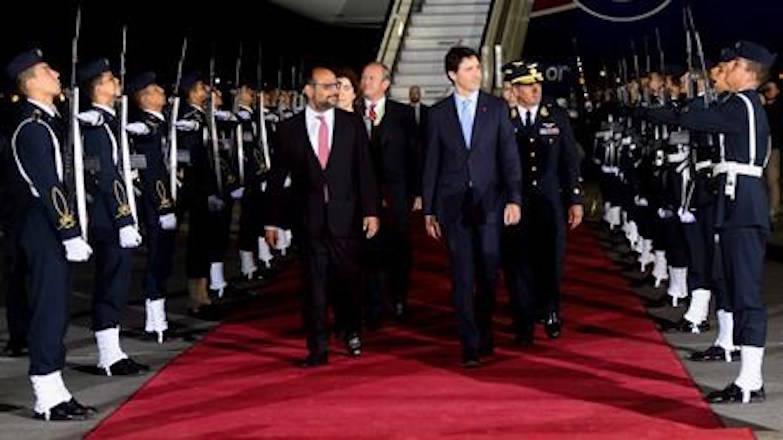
610,376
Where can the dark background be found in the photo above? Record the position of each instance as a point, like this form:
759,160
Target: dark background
156,29
720,22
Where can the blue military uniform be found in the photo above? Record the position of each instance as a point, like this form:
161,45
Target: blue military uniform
108,212
742,218
534,250
111,219
154,203
48,236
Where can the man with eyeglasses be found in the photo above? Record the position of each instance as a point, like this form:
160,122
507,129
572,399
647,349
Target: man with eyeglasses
325,152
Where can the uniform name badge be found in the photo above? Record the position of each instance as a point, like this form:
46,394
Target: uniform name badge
549,129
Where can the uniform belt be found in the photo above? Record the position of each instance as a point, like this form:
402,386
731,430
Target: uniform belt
734,169
677,157
703,165
609,169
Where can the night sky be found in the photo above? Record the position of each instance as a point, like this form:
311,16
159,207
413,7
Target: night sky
720,22
156,29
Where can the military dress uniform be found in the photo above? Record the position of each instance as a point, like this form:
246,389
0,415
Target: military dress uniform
742,219
199,189
112,228
49,238
534,250
149,137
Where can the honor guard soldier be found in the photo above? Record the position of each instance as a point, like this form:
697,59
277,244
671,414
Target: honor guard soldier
112,229
220,213
157,211
49,233
251,231
534,250
723,349
742,209
199,191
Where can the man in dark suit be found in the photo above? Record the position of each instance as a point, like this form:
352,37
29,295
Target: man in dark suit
471,187
392,130
533,252
325,152
420,112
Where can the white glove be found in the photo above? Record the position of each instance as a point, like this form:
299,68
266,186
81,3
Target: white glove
686,216
237,193
640,201
168,222
244,115
187,125
129,237
287,182
223,115
76,249
214,203
90,117
137,128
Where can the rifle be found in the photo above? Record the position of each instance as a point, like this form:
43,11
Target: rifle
709,95
688,53
173,124
262,138
127,175
213,125
75,148
240,145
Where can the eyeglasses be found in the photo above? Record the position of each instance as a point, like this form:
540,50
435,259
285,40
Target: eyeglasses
327,86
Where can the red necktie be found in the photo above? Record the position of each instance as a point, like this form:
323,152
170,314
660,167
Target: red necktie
372,113
323,142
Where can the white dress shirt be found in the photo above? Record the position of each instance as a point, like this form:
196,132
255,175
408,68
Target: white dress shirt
380,109
314,125
533,113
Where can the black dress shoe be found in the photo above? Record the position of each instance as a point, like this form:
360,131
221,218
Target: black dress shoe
685,326
14,350
714,354
733,394
400,312
470,361
553,325
128,367
206,312
66,411
353,344
487,350
314,360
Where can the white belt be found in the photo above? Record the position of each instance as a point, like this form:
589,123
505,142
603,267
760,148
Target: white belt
703,164
734,169
677,157
609,169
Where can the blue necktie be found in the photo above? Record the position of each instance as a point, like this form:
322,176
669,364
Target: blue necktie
466,122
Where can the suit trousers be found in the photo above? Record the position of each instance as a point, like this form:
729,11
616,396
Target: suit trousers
332,265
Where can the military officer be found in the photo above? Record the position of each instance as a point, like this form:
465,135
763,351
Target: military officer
534,250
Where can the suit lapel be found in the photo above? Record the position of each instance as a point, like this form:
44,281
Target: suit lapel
478,120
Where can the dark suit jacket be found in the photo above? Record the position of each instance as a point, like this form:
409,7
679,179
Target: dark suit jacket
395,157
548,151
489,172
348,178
